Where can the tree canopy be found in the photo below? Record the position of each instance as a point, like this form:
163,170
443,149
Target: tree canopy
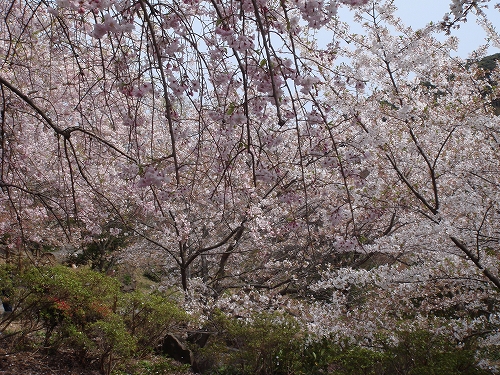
353,180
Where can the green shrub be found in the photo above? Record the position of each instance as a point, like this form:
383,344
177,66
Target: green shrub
86,311
157,366
327,356
424,353
98,252
268,343
416,353
61,296
152,275
6,279
149,317
112,340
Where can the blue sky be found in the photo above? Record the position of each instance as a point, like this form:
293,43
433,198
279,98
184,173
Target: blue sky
418,13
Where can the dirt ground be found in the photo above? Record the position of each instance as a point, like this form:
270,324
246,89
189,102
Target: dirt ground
36,363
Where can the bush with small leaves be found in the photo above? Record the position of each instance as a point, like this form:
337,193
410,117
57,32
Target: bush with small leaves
156,365
267,343
85,311
112,341
149,317
410,353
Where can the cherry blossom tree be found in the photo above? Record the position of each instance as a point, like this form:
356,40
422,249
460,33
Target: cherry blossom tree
185,107
429,245
460,9
354,178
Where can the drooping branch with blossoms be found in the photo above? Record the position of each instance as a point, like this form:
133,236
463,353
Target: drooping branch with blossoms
242,156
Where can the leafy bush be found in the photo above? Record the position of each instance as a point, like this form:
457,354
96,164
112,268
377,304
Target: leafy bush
156,365
416,353
274,343
98,252
424,353
149,317
268,343
111,338
327,356
85,310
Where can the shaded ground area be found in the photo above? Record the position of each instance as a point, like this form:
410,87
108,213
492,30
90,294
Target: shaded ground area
37,363
67,363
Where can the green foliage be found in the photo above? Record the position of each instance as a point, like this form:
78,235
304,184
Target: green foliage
127,279
488,63
386,104
155,365
112,339
165,367
150,316
268,343
326,356
273,343
6,283
86,311
422,352
152,275
98,253
63,294
416,353
67,303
